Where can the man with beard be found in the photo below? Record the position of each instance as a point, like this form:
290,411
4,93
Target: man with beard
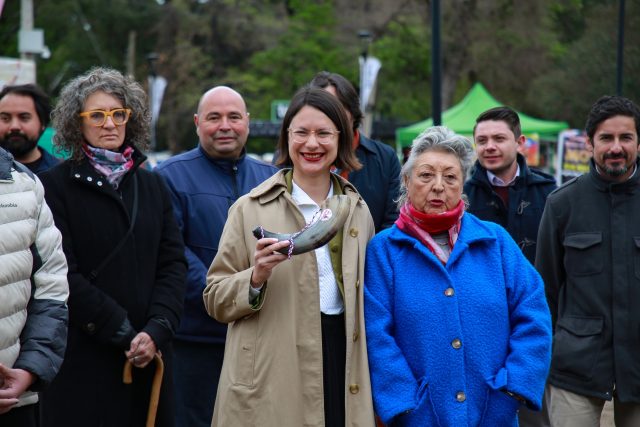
589,257
24,115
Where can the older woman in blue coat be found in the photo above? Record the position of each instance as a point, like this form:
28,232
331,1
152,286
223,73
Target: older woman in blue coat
458,328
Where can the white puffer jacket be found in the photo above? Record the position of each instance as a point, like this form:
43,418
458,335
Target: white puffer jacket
33,279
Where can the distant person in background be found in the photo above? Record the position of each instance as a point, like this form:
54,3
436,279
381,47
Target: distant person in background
24,115
502,188
378,182
204,183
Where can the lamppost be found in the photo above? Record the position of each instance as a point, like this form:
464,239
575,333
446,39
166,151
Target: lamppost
620,57
436,64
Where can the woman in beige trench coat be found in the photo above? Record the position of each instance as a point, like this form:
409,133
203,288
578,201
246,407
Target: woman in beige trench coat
295,353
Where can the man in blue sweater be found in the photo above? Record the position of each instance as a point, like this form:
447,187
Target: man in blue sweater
204,183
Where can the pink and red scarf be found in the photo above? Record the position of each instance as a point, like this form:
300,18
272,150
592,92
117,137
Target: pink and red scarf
421,226
112,164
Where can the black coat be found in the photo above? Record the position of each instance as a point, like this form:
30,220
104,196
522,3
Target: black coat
378,182
143,282
527,198
589,258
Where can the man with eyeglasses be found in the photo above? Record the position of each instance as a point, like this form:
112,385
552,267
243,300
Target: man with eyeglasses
378,181
204,183
24,115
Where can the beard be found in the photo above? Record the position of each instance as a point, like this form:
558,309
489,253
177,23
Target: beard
615,171
18,144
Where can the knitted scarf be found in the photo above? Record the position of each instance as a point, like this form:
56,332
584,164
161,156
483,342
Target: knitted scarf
421,226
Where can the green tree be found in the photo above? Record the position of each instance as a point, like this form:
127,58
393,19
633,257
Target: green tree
306,47
586,69
404,82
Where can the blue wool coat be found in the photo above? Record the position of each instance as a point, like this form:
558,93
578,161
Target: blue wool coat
444,341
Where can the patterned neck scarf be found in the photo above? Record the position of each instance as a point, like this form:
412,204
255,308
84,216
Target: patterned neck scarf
112,164
422,226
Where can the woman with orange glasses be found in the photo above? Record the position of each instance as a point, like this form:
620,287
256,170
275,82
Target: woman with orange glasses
125,254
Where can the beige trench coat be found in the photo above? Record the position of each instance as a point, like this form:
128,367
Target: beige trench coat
272,371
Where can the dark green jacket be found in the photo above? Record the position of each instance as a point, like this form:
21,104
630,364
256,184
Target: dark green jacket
589,257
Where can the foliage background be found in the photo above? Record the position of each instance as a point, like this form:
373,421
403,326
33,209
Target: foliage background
548,58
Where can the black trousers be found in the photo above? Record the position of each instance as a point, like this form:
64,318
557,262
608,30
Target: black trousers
24,416
334,349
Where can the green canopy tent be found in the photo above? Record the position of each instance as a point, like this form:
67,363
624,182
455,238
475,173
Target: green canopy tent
462,117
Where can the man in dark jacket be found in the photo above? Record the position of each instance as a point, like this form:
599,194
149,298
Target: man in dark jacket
589,257
378,182
24,115
204,183
502,188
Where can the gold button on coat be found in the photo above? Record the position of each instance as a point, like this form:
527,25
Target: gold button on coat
353,232
354,388
449,292
355,336
456,343
460,396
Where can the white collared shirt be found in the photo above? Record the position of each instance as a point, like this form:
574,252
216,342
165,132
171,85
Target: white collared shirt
330,298
497,182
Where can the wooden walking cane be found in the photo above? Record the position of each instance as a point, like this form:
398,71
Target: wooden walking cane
155,387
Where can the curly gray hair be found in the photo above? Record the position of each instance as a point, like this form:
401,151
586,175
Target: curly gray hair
65,117
436,138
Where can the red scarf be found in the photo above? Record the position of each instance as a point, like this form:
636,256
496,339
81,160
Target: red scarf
421,226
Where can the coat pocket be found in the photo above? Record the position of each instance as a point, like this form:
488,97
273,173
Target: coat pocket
240,350
577,343
583,253
423,415
500,410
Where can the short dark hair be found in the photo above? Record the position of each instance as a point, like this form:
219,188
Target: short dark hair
321,100
501,114
40,99
345,91
607,107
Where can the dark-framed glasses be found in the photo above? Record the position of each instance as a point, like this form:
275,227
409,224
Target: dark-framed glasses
96,118
323,136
